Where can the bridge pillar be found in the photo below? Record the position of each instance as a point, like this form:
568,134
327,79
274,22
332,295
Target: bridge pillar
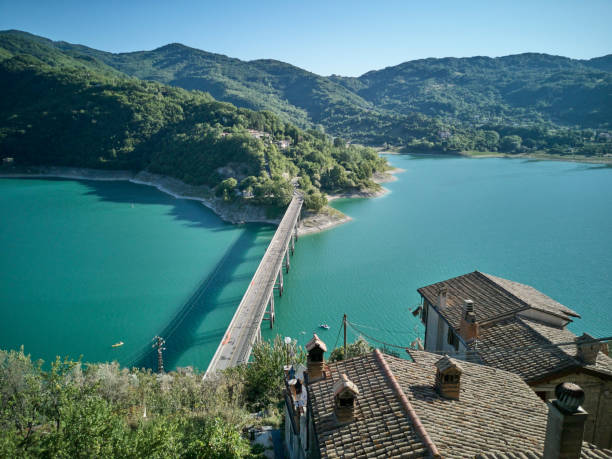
292,245
271,311
278,283
269,314
287,262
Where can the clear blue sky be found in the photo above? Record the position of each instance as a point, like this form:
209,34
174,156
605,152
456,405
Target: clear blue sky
333,36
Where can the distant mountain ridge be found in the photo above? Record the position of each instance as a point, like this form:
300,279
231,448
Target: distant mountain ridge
437,104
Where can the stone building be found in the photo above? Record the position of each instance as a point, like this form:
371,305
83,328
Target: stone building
511,326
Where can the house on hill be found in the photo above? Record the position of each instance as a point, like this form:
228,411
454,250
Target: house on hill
377,405
513,327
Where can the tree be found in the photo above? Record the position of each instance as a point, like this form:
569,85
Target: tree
264,375
314,200
359,347
510,143
226,188
491,140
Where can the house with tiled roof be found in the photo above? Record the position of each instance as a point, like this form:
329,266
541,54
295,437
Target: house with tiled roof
378,405
511,326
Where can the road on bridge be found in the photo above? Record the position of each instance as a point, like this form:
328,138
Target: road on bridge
244,329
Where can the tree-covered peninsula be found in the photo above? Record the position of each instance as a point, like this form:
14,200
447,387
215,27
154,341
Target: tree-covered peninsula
70,113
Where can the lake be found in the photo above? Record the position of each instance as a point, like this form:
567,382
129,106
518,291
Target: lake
87,264
544,223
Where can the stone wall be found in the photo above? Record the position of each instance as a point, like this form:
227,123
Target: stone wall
597,402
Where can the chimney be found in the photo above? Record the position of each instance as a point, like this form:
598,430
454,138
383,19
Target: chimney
565,427
468,328
587,348
345,394
448,378
315,348
442,294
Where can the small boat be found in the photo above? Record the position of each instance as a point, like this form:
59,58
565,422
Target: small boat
324,325
119,344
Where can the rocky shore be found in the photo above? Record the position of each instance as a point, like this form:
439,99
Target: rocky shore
235,212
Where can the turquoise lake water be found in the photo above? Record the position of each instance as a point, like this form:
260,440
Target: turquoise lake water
544,223
87,264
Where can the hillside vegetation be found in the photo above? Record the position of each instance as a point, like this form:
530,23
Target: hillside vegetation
523,103
76,112
74,409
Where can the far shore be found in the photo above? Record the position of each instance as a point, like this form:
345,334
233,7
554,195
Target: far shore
235,213
536,156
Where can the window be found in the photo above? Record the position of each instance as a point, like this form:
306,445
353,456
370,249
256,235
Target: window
452,339
424,313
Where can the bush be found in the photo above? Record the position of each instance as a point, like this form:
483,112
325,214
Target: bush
359,347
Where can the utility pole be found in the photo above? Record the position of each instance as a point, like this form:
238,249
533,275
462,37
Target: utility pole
344,323
159,343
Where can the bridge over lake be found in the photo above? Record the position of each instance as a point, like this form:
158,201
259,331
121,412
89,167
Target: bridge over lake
257,304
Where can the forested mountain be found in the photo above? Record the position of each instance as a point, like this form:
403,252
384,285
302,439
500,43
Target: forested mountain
526,102
70,115
521,88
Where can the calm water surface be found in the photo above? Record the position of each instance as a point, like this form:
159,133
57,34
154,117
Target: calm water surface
547,224
86,264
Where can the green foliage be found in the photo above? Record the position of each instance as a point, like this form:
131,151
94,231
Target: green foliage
226,188
264,376
103,410
314,200
510,143
106,411
424,105
68,115
359,347
71,105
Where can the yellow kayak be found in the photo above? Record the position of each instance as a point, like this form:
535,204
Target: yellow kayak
120,343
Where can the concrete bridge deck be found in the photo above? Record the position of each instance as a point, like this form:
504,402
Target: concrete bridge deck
257,303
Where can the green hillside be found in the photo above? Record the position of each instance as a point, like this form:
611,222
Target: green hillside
522,103
521,88
70,115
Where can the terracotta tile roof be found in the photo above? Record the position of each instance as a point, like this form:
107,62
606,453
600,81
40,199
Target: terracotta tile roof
540,357
494,297
496,410
381,427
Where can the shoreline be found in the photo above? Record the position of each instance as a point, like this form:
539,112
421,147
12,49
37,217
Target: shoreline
379,178
230,213
494,154
234,213
540,157
329,217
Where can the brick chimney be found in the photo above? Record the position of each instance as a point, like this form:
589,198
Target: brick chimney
448,378
468,328
587,348
345,394
315,348
442,294
565,427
